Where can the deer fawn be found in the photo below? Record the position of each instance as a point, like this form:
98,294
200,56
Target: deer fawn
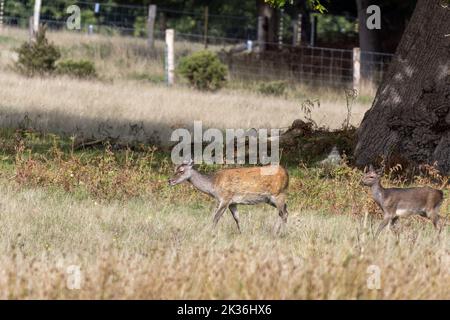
403,202
238,186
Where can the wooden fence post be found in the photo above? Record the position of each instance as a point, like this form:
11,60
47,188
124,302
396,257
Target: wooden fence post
313,30
36,15
280,29
297,31
170,56
261,34
2,5
151,25
356,68
205,31
30,27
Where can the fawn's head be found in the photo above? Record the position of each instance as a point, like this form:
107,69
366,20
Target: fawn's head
370,176
182,172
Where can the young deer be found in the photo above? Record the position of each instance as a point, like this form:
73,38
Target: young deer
403,202
231,187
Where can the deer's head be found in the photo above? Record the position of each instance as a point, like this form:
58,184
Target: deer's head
370,176
182,172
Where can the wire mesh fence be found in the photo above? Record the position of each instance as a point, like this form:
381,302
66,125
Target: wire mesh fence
233,37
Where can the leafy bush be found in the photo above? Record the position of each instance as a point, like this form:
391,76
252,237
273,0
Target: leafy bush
38,56
78,69
203,70
274,88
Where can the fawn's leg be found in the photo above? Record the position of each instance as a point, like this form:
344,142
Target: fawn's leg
219,212
433,215
280,203
383,224
235,213
393,223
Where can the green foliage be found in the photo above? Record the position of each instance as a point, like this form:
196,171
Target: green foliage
140,27
37,57
203,70
274,88
331,28
314,4
78,69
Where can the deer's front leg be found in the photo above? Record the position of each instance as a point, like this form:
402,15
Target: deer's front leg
387,218
219,212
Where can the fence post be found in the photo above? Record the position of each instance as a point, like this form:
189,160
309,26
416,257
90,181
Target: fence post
30,27
36,16
205,31
313,30
170,56
2,4
280,29
261,34
297,31
151,25
356,68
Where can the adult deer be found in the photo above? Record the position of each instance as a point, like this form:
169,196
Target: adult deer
231,187
403,202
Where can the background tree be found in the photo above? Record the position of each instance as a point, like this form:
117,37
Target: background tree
409,121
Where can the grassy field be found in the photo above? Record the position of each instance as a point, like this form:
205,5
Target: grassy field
129,101
109,216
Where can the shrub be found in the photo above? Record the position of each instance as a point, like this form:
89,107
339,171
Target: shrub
39,56
203,70
274,88
78,69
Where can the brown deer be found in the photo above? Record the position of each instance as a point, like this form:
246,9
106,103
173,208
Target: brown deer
403,202
231,187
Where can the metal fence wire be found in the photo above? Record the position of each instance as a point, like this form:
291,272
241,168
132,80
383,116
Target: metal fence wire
235,42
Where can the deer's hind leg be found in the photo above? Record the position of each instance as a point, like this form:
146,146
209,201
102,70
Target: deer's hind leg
235,213
434,216
279,202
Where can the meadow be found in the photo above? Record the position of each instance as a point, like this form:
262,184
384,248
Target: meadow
109,213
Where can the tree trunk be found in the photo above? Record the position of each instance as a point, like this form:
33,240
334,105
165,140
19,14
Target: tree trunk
369,40
270,22
409,121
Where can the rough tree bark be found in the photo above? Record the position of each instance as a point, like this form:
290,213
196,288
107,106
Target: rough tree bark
409,121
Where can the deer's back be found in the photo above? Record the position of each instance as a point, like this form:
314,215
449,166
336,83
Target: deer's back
271,180
423,197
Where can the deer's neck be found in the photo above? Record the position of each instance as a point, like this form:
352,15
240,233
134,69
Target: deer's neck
378,192
203,183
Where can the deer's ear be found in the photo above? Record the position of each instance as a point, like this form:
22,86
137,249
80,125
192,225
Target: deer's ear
371,169
188,162
365,169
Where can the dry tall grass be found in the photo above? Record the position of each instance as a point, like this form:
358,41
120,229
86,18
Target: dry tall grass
121,100
149,249
113,216
93,108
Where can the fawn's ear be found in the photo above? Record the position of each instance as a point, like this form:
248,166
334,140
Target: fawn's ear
371,169
188,162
